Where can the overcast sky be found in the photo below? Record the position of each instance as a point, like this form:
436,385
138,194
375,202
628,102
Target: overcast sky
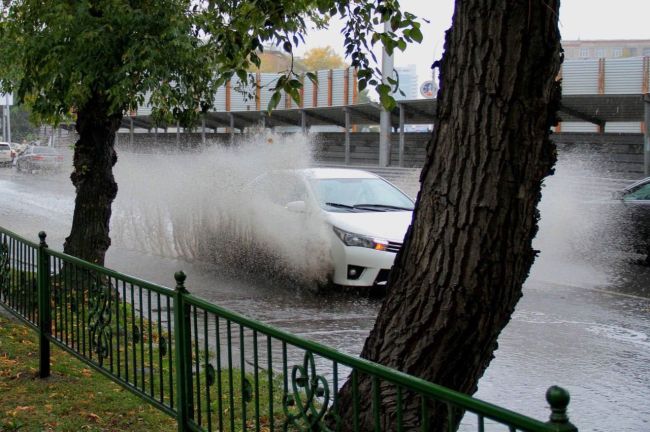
579,19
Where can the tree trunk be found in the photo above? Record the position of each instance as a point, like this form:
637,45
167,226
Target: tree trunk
94,157
468,252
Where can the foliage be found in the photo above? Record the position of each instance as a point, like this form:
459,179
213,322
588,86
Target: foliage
272,60
58,54
364,97
322,58
319,58
22,128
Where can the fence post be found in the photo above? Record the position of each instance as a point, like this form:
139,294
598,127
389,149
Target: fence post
558,398
182,338
44,307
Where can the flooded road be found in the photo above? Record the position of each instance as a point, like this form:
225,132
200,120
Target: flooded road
583,322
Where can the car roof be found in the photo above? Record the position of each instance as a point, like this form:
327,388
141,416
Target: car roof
335,173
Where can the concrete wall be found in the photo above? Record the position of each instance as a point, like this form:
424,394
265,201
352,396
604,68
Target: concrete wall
617,155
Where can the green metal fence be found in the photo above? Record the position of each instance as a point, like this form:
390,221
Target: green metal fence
216,370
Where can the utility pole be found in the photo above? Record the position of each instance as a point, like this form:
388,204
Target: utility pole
8,123
6,116
646,140
384,115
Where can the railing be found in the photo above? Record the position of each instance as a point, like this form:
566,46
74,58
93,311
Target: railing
216,370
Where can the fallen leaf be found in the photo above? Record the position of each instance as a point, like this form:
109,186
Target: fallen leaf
24,408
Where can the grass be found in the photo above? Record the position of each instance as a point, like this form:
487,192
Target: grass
73,398
77,398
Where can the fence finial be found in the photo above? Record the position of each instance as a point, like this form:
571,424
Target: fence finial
559,398
180,281
42,235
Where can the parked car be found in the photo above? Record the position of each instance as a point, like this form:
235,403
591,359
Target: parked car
364,218
39,158
7,154
636,216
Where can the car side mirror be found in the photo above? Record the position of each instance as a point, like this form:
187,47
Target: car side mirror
297,206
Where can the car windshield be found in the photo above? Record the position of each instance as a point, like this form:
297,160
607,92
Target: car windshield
642,192
5,147
45,150
359,194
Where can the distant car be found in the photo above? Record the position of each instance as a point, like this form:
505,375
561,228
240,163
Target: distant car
360,217
636,215
7,154
40,158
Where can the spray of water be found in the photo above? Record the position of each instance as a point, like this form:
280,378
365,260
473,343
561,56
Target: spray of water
204,205
583,235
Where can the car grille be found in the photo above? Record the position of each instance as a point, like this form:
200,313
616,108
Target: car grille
394,247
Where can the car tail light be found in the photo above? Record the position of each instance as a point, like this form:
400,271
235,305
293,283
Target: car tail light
59,158
38,158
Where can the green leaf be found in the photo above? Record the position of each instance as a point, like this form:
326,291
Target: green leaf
312,77
275,100
387,101
416,34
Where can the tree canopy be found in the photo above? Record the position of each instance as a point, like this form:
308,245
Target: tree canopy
322,58
55,54
318,58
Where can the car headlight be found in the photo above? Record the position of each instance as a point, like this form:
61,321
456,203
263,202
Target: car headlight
352,239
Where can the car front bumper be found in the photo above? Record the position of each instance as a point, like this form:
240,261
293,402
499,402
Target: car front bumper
366,263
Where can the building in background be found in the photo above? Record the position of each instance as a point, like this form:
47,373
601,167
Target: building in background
408,82
597,49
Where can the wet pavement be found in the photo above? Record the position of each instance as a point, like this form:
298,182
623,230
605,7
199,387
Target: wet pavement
583,322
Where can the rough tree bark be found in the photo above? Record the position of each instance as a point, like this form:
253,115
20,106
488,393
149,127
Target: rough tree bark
468,252
94,158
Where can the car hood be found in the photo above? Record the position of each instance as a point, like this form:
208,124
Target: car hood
390,225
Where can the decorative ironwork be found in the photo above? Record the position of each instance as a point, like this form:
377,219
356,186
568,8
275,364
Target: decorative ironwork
4,269
99,319
307,405
306,409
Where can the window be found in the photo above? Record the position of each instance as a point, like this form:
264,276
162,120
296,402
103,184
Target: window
618,52
584,52
646,51
640,193
369,194
600,53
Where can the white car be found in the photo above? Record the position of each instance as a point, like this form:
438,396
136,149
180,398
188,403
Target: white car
7,154
362,218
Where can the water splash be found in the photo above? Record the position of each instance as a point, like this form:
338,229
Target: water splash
202,205
585,237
